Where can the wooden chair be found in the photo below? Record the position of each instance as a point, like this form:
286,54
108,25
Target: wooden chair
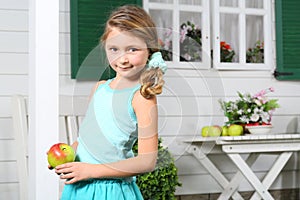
20,129
71,111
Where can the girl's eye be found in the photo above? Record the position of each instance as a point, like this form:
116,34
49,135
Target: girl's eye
113,49
132,50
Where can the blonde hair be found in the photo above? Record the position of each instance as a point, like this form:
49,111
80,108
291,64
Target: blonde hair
138,22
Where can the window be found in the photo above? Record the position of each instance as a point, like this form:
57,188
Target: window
234,34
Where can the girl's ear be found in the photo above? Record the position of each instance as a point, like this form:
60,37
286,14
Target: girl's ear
149,56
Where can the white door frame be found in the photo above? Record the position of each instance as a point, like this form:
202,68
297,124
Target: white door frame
43,96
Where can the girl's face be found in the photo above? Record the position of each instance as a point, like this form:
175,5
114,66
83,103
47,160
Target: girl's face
126,54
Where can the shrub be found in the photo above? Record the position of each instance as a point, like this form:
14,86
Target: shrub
161,183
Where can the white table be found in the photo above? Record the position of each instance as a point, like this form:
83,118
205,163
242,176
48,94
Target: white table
253,145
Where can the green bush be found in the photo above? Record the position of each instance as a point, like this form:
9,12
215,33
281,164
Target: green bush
161,183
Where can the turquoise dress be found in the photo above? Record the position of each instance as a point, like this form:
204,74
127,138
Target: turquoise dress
106,135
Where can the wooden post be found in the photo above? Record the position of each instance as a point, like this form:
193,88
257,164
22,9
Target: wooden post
43,96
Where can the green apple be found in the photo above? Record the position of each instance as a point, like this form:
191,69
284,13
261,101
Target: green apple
235,130
224,131
214,131
60,153
204,131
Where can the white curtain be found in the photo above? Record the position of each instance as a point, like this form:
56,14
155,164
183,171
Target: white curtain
229,30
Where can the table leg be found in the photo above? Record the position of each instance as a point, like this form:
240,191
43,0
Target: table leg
250,176
274,171
235,181
212,169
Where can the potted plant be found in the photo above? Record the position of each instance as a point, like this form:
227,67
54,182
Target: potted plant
165,45
190,43
226,52
256,54
250,110
161,183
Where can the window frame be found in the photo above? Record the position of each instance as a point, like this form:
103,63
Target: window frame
267,24
208,36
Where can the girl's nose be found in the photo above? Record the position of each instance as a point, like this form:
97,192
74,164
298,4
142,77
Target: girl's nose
123,59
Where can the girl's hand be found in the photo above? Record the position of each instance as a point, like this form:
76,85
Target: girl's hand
74,171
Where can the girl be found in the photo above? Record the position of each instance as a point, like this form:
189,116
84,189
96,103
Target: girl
121,110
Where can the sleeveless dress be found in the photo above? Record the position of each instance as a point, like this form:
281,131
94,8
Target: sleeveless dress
106,135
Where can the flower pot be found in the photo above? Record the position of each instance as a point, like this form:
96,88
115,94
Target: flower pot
259,129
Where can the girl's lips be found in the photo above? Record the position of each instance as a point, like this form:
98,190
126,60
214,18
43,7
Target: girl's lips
125,68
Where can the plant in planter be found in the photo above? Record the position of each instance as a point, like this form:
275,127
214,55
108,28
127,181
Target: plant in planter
190,43
165,45
256,54
226,52
161,183
250,109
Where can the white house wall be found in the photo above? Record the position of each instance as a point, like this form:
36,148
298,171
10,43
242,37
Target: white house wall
189,101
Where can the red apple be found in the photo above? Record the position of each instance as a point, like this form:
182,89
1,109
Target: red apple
60,153
214,131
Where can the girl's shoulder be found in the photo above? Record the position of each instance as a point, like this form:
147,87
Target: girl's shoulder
96,87
145,110
139,101
98,84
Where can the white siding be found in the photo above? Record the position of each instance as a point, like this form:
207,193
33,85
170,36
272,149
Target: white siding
189,101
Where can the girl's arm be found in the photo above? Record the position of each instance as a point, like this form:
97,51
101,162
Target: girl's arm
74,146
146,112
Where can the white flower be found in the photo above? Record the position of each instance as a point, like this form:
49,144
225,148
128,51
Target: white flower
256,110
167,44
254,117
257,102
265,117
234,107
244,119
240,112
247,97
187,57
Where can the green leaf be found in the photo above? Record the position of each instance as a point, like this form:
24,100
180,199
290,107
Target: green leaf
162,182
